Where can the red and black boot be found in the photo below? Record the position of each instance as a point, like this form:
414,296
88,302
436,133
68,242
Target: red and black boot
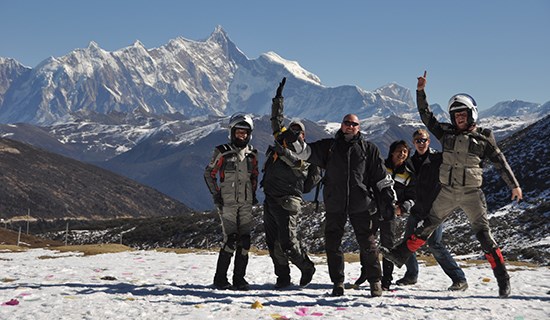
400,253
496,260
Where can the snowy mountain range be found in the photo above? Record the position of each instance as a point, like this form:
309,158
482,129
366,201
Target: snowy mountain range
154,115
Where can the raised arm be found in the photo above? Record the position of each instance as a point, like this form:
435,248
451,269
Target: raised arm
426,115
277,107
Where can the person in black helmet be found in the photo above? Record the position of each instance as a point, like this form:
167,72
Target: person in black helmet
236,165
284,185
465,147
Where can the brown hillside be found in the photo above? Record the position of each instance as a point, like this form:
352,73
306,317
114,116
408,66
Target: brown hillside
9,237
53,186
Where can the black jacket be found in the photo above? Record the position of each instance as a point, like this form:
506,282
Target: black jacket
280,179
352,171
404,184
426,168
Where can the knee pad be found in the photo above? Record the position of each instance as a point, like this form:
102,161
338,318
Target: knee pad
230,243
487,242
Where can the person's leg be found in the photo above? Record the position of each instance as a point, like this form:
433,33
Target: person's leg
229,229
241,262
474,205
288,236
365,233
279,258
365,228
387,235
244,223
334,230
445,259
411,275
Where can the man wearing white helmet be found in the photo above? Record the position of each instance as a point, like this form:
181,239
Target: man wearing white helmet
236,165
465,147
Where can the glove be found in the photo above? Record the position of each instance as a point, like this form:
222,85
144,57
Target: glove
289,136
254,200
291,158
218,200
280,88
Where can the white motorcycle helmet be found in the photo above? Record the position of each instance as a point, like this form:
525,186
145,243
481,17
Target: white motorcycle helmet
461,102
240,121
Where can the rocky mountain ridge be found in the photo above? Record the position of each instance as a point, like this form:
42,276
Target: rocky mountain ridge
43,185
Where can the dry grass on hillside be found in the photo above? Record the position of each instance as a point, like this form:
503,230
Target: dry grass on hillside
91,249
9,238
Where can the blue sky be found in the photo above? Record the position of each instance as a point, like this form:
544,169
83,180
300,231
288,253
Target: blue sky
494,50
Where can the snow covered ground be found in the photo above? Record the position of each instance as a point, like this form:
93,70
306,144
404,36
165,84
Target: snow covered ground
43,284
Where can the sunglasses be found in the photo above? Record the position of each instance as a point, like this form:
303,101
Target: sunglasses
421,140
350,123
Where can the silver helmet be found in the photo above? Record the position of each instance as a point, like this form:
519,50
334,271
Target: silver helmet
461,102
240,121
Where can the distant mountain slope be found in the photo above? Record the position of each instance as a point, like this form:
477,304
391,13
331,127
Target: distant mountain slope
53,186
529,156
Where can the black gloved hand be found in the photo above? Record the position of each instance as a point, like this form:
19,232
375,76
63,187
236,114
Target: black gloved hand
280,88
218,200
289,136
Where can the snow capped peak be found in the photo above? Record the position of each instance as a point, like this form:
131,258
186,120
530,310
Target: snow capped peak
8,60
138,44
219,36
93,51
395,91
93,46
511,109
292,66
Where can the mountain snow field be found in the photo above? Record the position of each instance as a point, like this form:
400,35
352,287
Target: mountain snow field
44,284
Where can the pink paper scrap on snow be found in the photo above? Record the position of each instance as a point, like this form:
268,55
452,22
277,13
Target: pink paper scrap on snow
12,302
302,311
341,308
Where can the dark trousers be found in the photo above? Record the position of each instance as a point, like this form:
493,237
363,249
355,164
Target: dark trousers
364,227
387,240
281,223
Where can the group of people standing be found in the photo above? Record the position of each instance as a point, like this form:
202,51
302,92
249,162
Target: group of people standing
359,185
